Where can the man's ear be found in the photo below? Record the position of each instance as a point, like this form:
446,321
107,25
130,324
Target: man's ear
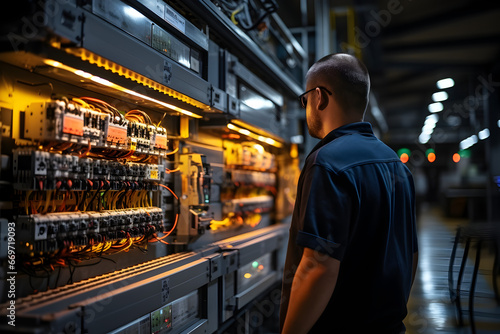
323,99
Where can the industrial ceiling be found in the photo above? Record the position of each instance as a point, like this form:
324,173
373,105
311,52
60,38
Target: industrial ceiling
408,45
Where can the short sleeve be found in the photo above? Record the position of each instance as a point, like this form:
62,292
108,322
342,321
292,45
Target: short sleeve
325,218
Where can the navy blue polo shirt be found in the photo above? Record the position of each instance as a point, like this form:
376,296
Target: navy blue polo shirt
356,203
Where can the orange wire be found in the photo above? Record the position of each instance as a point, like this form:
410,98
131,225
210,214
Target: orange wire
85,152
171,230
164,186
173,152
168,171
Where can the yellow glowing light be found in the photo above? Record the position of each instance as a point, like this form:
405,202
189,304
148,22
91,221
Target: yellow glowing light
294,151
259,148
271,141
83,74
253,135
108,65
52,63
57,64
247,275
101,81
168,105
107,83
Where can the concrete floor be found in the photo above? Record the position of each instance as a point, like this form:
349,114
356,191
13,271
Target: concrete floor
430,309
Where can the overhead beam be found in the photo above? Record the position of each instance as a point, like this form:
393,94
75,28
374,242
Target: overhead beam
431,66
439,19
466,43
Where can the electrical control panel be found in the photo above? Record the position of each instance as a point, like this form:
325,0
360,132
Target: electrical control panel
195,196
135,186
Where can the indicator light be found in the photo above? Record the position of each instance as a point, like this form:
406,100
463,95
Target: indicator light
404,154
431,155
404,158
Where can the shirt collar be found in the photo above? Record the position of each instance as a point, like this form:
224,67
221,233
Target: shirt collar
358,127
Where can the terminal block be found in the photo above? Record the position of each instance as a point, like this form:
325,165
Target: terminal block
39,170
54,120
95,127
52,232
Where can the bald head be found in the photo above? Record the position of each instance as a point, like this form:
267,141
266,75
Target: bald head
348,79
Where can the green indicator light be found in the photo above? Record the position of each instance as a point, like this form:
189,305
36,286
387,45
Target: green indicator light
255,264
402,151
464,153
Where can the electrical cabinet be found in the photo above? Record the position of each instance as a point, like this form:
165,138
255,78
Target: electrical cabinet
149,163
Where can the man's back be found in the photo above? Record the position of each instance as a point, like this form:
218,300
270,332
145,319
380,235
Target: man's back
356,203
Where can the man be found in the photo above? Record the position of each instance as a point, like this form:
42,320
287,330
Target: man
352,250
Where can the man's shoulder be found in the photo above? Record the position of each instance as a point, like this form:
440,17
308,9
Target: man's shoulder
353,150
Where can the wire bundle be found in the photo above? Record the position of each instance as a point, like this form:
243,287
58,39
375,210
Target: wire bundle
82,189
246,13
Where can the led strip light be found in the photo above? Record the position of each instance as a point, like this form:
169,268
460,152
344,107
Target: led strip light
110,84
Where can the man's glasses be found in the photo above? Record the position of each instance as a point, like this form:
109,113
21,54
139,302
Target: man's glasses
303,97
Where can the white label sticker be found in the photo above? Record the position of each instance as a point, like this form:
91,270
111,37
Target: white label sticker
175,19
195,65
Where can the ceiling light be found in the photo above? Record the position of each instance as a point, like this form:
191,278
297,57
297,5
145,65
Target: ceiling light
424,138
445,83
468,142
430,121
435,107
439,96
483,134
432,118
429,125
427,130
